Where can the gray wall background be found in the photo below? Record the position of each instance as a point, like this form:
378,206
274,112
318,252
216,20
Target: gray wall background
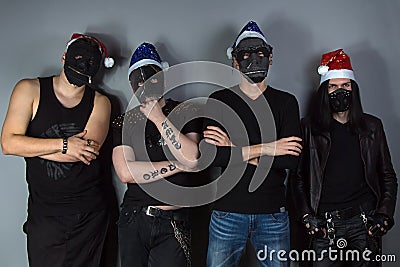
34,33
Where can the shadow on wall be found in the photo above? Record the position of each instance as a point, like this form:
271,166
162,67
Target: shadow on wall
110,250
110,254
218,44
378,99
292,47
120,61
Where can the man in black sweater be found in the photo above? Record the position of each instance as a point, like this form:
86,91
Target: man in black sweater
254,129
345,187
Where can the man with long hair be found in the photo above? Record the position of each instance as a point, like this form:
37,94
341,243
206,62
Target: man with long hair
345,187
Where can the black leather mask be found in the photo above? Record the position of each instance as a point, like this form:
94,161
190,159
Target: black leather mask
153,82
82,61
252,55
340,100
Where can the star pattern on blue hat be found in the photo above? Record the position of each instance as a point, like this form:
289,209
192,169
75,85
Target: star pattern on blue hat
251,26
250,30
145,54
145,51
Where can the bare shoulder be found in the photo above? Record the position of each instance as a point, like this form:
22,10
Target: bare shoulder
102,104
22,107
101,99
27,86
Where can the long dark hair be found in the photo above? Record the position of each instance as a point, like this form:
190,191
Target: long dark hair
321,112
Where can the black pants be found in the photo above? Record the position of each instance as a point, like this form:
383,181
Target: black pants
66,241
350,234
148,241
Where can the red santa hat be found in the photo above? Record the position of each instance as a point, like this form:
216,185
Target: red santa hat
108,61
335,64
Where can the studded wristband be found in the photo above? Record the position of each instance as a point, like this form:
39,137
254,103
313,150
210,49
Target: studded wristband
65,145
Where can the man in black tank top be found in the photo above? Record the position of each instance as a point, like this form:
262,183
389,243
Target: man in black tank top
153,143
58,124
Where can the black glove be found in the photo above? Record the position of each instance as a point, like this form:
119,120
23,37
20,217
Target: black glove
378,224
313,224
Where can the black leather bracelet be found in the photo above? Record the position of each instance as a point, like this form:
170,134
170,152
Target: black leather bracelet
65,145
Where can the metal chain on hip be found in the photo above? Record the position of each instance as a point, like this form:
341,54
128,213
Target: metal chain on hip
364,219
330,226
374,239
184,239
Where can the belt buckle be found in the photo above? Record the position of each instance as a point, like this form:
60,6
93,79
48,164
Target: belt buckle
148,211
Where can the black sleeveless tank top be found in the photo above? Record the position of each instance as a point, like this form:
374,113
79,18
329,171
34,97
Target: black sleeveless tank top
58,188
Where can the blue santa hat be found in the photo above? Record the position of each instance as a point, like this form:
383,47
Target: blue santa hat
251,30
146,54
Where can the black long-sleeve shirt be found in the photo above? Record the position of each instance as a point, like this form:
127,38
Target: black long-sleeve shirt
273,115
344,184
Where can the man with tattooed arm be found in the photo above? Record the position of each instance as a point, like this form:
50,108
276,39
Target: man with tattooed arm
153,143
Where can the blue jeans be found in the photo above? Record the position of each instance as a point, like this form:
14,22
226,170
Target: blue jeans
228,234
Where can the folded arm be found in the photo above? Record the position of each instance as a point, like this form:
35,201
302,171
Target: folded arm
96,130
183,147
131,171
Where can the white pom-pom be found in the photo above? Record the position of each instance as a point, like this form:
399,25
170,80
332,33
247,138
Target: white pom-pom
229,52
108,62
164,65
323,70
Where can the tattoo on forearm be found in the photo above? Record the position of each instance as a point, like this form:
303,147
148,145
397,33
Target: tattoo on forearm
170,135
172,167
153,174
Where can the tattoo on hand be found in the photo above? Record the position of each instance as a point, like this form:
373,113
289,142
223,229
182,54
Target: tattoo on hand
155,173
170,135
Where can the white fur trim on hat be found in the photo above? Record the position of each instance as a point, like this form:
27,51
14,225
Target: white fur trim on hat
244,35
108,62
249,34
332,74
142,63
229,52
323,70
164,65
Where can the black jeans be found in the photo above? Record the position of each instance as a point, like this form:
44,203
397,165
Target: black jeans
148,241
350,236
